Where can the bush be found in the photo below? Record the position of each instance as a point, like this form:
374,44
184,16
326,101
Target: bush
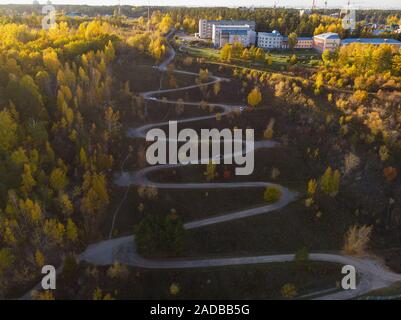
272,194
288,291
302,255
330,182
159,235
357,239
174,289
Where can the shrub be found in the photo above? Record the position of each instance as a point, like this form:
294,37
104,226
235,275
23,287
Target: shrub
159,234
288,291
272,194
351,162
302,255
357,239
312,186
117,271
174,289
390,173
330,182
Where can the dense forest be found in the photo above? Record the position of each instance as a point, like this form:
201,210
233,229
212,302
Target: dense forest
59,125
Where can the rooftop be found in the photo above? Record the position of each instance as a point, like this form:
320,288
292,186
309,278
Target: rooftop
241,26
275,33
231,21
370,41
328,35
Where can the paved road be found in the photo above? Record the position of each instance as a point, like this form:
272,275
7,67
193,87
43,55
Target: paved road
372,273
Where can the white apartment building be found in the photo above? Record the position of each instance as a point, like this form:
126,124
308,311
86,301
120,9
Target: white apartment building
206,26
223,34
270,40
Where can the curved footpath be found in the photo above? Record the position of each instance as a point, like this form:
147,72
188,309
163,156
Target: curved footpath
372,273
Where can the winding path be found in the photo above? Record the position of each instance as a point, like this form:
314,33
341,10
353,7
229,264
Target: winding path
372,273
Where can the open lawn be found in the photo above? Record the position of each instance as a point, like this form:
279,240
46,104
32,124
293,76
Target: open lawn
306,58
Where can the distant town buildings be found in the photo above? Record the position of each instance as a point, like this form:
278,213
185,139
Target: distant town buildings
206,26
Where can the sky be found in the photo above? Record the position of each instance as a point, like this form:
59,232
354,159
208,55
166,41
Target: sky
226,3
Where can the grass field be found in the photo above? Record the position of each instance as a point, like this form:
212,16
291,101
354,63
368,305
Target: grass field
307,58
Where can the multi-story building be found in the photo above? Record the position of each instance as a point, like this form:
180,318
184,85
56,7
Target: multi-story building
223,34
326,41
372,41
270,40
206,26
302,43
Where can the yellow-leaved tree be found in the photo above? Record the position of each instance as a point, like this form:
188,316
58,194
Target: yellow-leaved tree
254,97
8,130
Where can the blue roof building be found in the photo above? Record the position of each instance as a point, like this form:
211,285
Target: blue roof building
372,41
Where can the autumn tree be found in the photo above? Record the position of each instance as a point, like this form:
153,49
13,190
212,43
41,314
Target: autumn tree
95,197
111,119
254,97
330,182
8,131
292,40
226,53
58,179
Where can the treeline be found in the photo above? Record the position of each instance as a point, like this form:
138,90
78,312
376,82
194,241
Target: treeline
284,20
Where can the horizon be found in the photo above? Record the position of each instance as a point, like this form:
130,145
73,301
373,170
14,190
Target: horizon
296,4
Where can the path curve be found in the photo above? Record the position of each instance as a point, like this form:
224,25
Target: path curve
372,272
